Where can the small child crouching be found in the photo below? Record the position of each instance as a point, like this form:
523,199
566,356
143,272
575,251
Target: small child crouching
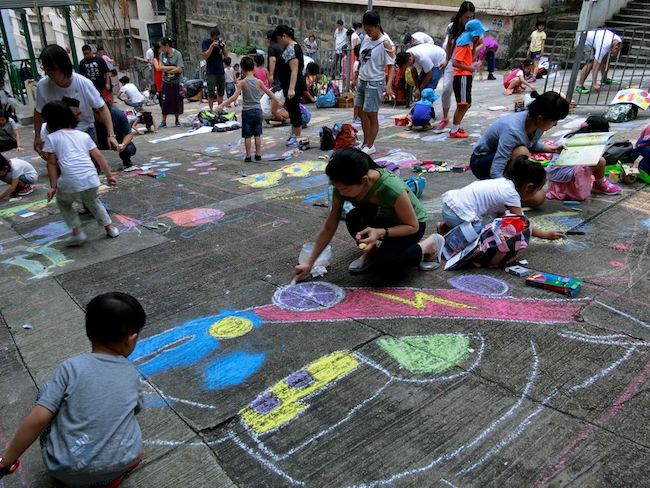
252,116
423,113
85,415
73,177
19,175
579,182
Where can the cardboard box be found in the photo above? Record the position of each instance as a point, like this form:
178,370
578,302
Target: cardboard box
345,101
559,284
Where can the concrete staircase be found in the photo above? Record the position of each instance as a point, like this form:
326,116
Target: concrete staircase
633,22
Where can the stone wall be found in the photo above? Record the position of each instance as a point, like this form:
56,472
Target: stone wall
246,22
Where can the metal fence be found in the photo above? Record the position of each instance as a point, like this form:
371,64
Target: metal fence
568,52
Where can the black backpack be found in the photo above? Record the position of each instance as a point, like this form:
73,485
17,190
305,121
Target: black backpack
327,140
619,151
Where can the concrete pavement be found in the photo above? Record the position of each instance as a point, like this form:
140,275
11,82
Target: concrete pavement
465,378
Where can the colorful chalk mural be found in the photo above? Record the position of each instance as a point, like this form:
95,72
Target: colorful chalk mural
271,430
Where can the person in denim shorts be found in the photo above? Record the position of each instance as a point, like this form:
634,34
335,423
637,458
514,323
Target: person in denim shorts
376,53
252,116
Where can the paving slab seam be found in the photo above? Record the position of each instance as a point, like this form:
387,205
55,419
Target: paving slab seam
633,193
20,354
185,422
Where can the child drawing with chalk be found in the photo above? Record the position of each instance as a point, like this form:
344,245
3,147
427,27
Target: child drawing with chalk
85,415
73,177
252,117
472,203
387,221
579,182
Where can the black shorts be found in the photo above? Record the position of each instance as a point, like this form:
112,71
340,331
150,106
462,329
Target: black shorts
463,89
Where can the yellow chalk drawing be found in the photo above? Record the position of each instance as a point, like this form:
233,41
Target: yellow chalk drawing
262,180
272,178
281,403
229,327
420,300
303,169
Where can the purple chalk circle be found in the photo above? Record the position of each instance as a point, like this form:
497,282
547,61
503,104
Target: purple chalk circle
212,169
299,379
308,297
201,164
190,169
203,173
265,403
479,285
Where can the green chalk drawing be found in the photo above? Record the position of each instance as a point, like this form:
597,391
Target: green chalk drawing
427,354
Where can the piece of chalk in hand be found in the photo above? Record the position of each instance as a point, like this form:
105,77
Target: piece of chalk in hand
363,245
294,281
358,236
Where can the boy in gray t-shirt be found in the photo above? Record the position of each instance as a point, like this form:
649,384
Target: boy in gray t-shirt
85,414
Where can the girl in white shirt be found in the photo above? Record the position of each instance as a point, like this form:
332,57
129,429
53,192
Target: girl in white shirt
522,179
73,177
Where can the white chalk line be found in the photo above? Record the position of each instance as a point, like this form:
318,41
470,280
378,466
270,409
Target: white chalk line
602,342
505,441
448,483
265,462
626,315
364,359
477,440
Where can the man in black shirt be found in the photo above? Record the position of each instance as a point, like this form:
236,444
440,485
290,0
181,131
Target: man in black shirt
96,70
274,59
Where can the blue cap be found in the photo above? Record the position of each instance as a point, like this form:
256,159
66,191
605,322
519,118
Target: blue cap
473,28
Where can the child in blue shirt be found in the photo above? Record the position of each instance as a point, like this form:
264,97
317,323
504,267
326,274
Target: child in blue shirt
423,112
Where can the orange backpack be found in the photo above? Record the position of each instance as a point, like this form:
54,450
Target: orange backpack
347,137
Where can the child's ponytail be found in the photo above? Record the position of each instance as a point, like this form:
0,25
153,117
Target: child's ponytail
521,171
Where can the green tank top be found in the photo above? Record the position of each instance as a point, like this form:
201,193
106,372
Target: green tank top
388,188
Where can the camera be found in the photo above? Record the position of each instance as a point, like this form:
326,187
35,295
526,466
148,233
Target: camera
221,44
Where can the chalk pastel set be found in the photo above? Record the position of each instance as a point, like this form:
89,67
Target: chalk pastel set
564,285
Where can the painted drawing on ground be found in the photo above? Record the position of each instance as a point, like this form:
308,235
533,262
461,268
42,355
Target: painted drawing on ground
285,422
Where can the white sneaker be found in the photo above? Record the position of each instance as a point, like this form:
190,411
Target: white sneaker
76,240
369,150
359,265
113,232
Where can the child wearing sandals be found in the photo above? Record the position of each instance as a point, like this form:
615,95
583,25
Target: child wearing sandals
387,223
472,203
85,415
73,177
578,182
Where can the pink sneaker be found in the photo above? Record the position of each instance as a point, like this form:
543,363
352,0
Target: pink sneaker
607,187
442,124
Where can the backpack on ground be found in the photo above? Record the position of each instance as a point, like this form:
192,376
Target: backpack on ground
208,118
346,137
500,244
621,112
326,101
7,141
326,139
619,151
416,184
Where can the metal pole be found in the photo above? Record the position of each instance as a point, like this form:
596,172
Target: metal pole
369,4
73,47
41,28
5,39
583,27
28,40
